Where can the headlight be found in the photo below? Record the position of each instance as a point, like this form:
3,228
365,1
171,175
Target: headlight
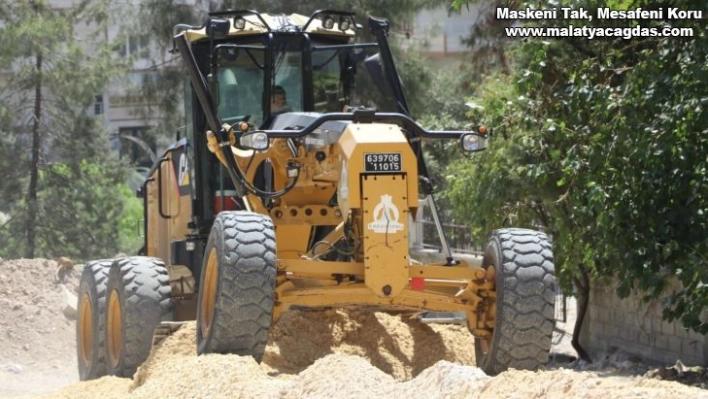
344,23
254,141
328,22
473,142
239,23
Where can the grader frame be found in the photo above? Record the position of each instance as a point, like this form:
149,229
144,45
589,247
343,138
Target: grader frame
321,202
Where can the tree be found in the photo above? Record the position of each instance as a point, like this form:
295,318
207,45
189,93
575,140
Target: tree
56,139
602,143
486,39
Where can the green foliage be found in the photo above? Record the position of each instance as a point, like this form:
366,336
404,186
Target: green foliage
440,107
129,239
79,210
49,86
394,11
603,143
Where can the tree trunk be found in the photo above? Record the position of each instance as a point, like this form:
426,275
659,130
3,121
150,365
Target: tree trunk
501,56
583,286
32,205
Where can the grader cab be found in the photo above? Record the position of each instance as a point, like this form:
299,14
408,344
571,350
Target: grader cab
285,192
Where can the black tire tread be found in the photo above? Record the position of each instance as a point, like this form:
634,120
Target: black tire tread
246,286
525,302
144,283
94,275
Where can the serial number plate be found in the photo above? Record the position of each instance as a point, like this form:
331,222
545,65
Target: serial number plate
382,162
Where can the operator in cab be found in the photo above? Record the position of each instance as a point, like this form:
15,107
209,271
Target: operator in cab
278,101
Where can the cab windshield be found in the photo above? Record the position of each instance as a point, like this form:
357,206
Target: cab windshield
240,84
287,76
240,78
328,91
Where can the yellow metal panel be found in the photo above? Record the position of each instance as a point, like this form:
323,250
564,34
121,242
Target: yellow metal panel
179,204
158,226
162,231
313,215
385,233
155,224
359,139
314,267
447,272
292,240
358,295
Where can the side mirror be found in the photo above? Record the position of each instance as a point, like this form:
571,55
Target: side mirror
256,140
374,65
218,28
472,142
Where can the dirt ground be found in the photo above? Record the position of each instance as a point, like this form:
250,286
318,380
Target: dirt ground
330,353
37,348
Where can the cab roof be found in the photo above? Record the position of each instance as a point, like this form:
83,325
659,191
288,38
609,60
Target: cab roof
260,23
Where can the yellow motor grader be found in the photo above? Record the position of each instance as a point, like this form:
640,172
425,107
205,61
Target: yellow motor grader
260,208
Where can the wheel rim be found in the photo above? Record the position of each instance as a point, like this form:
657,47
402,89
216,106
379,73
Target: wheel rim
208,291
114,328
85,330
485,344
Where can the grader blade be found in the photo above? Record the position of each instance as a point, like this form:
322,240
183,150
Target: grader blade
443,318
164,330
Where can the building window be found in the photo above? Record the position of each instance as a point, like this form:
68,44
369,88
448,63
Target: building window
98,105
136,45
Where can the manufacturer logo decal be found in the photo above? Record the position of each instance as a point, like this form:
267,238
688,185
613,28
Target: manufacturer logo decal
183,179
385,217
180,163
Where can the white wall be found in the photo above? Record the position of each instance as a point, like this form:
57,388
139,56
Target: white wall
440,33
637,328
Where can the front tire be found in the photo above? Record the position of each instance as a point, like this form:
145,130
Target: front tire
237,289
91,320
525,302
138,299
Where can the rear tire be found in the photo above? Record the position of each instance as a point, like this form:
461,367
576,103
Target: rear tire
138,299
525,303
91,320
236,293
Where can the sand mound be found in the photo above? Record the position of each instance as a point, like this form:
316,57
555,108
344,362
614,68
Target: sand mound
104,388
583,385
37,350
319,354
176,372
445,380
397,345
342,353
341,376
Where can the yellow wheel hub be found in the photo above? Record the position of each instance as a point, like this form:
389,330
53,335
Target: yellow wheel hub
208,292
85,330
491,313
114,326
485,344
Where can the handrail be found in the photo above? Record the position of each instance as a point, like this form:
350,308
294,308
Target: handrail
359,116
159,188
